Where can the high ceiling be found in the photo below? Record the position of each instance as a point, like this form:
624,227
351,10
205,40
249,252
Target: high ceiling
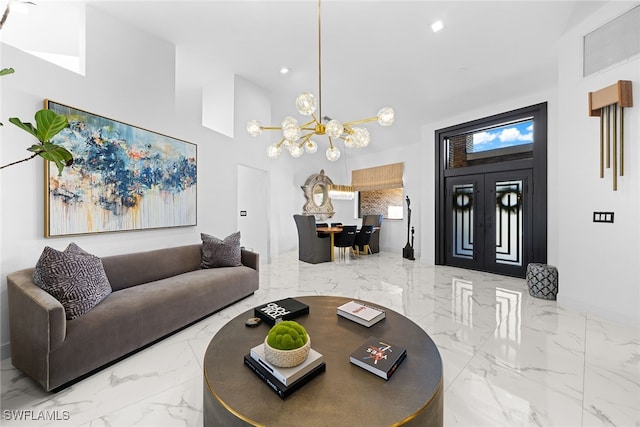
374,53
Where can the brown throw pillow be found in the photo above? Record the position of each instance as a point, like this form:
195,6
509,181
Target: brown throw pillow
220,253
74,277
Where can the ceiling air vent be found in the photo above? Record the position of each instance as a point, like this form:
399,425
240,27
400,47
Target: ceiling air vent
615,42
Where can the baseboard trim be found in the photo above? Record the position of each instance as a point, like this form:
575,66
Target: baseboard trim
594,310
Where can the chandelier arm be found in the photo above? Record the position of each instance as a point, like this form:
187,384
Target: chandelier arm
330,142
304,139
279,144
270,128
357,122
304,126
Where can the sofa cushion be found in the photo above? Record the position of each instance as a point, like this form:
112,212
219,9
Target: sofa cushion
73,277
133,269
221,253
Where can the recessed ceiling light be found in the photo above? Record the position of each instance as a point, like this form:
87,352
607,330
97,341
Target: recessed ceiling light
437,26
284,70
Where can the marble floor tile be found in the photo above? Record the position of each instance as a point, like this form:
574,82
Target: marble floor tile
509,359
612,374
179,406
486,394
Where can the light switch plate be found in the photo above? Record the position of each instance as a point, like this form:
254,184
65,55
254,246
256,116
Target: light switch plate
603,217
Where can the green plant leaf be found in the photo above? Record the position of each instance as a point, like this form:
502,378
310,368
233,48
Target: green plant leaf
49,124
6,71
53,153
25,126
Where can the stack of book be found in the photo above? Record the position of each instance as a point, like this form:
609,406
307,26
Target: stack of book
284,381
361,313
284,309
379,357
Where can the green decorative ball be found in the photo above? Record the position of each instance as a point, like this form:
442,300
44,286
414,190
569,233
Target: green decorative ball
287,335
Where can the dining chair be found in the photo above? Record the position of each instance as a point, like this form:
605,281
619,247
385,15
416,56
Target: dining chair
311,248
320,233
376,221
362,240
345,239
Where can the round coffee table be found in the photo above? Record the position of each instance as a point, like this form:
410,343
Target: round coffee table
344,395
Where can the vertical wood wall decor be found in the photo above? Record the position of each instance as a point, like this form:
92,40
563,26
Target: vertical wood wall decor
604,104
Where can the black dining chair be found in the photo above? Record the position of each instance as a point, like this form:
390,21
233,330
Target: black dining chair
345,239
320,233
376,221
362,240
336,224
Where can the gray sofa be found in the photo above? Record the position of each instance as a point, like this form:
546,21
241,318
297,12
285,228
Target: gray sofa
154,294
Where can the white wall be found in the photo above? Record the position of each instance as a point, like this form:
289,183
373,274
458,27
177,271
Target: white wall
598,263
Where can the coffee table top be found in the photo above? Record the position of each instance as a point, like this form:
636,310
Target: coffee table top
343,395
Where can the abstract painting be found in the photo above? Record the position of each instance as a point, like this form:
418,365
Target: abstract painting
123,178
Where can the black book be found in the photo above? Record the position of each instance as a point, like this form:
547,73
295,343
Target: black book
280,389
378,356
285,309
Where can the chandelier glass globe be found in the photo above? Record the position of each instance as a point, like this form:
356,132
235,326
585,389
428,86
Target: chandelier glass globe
306,104
290,129
361,137
253,128
334,129
349,141
310,146
333,153
273,151
296,151
386,116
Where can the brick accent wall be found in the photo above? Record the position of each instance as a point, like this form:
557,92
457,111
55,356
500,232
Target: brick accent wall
377,202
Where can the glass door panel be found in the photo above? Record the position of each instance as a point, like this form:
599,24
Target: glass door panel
509,222
462,218
462,225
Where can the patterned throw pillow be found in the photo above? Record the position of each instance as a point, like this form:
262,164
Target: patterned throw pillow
220,253
73,277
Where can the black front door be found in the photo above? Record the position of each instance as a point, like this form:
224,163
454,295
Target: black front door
488,221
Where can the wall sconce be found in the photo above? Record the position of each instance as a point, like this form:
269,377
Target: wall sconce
604,103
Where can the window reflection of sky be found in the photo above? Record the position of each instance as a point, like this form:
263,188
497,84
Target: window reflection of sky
503,136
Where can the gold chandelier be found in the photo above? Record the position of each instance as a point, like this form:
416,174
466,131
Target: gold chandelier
297,138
